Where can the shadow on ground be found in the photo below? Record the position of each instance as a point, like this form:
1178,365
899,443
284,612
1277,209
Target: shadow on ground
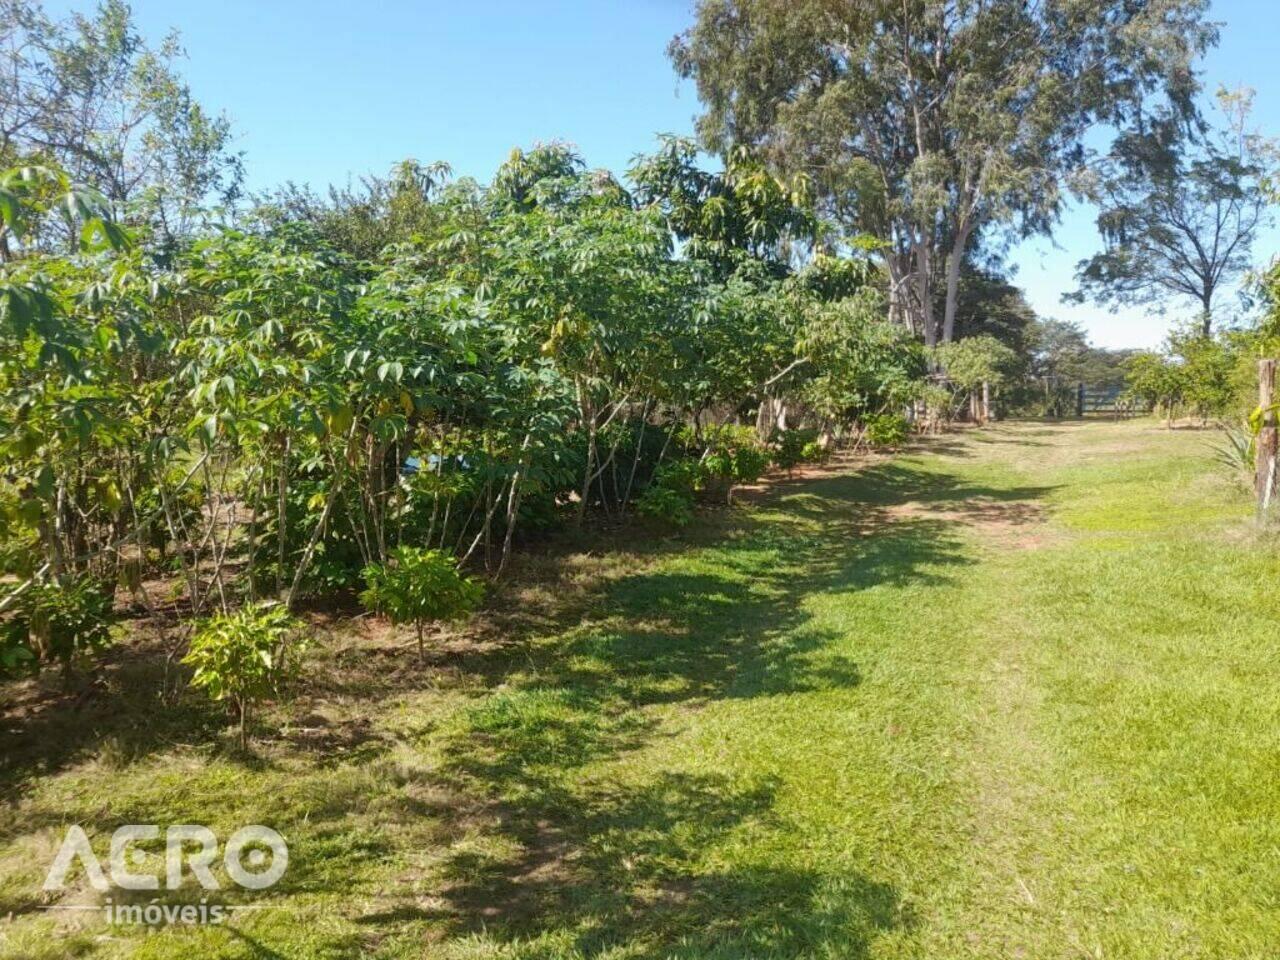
539,847
595,866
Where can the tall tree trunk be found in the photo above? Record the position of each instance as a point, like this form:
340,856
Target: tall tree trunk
954,262
924,291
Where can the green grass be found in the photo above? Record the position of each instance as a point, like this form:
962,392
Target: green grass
1014,695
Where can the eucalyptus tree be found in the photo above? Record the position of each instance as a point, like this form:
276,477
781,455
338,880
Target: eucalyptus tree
1178,210
88,94
931,123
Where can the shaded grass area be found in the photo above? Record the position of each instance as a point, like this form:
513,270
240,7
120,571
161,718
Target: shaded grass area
1010,694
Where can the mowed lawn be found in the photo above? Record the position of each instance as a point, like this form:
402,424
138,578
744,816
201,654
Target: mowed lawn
1013,695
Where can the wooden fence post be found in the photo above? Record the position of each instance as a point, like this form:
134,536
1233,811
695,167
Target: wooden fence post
1264,478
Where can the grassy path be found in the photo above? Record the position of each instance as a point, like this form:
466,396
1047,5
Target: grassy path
1015,695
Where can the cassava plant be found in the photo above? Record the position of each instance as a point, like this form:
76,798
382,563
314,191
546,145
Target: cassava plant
243,657
420,587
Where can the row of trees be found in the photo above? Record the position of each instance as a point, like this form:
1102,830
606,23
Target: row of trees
942,127
275,397
272,408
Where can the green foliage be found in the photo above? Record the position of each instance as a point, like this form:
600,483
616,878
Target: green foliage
815,451
790,448
932,125
1060,351
1236,450
666,505
990,304
243,657
683,476
732,455
89,95
857,360
972,361
745,208
420,586
1179,210
1208,365
1154,379
422,362
1196,373
53,621
886,429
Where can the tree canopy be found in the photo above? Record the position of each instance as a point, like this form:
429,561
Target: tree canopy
934,124
1179,208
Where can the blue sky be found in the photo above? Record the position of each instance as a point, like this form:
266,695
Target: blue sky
320,91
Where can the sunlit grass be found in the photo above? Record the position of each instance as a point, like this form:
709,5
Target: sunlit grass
1012,697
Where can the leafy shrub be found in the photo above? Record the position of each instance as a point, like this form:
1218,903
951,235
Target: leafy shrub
56,621
242,657
972,360
682,476
886,429
937,402
733,455
666,505
420,586
793,447
16,655
815,452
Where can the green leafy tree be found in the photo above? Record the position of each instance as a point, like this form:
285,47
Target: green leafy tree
927,123
1178,212
420,587
1155,380
52,621
974,361
243,657
88,94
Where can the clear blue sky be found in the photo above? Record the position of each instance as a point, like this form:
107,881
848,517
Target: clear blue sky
319,91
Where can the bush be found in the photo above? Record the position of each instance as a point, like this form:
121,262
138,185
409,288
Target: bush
886,429
666,505
57,621
16,655
733,455
815,452
242,657
793,447
681,476
419,586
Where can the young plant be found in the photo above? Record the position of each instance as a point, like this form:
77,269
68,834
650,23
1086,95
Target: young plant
886,429
243,657
666,505
794,447
420,587
57,621
733,456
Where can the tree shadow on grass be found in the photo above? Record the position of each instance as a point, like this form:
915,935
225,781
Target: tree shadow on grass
118,713
540,844
627,868
565,856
